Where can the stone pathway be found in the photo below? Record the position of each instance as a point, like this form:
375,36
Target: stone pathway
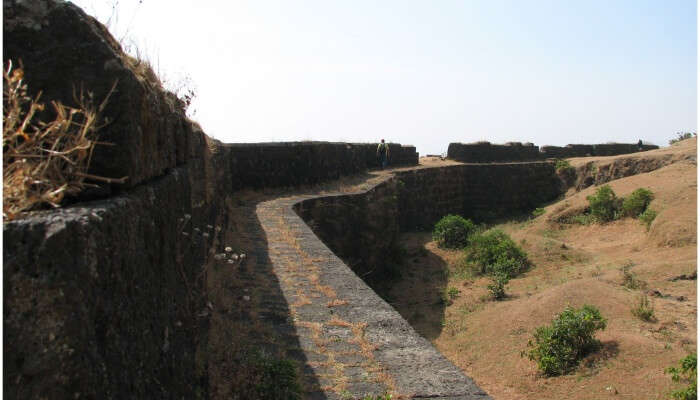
338,354
303,303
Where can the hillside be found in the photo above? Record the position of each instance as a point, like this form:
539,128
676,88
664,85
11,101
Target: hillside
573,265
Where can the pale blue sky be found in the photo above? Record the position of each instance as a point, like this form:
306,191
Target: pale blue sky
426,73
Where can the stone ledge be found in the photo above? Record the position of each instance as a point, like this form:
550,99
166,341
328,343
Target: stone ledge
411,364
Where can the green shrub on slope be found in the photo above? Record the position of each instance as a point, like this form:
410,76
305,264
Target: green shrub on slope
636,203
495,252
453,231
604,204
559,347
688,373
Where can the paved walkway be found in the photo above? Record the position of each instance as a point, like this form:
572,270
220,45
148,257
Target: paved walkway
314,309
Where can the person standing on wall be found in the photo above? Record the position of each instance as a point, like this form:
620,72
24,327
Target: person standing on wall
383,154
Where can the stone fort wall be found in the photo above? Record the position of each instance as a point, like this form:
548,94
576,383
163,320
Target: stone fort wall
484,152
261,165
362,229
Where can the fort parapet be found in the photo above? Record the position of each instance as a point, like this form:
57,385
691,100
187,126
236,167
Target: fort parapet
264,165
362,228
485,152
586,150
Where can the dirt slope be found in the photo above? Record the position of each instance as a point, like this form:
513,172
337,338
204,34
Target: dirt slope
598,170
573,265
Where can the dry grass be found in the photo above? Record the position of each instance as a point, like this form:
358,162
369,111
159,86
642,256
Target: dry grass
573,265
336,303
302,300
335,321
43,162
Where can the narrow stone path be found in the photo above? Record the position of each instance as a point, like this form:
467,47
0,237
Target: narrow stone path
297,300
338,354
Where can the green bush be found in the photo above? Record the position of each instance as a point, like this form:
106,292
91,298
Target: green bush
647,217
604,205
495,252
497,287
565,172
448,295
644,310
453,231
559,347
636,203
562,165
687,373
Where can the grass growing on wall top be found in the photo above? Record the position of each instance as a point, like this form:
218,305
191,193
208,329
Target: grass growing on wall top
44,161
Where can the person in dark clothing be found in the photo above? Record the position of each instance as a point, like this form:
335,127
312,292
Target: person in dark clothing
383,154
640,146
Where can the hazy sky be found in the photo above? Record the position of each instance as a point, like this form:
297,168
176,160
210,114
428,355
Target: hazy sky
425,73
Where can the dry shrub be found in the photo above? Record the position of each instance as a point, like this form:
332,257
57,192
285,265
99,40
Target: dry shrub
43,162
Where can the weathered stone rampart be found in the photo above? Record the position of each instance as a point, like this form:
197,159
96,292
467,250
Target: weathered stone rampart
585,150
477,191
264,165
485,152
101,299
362,229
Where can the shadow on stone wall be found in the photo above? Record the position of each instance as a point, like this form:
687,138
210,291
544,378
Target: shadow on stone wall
361,229
251,336
419,303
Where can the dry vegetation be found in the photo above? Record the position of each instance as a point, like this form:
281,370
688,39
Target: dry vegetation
43,162
612,266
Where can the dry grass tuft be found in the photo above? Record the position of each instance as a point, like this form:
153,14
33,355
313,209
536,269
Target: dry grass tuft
336,303
302,299
45,161
335,321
